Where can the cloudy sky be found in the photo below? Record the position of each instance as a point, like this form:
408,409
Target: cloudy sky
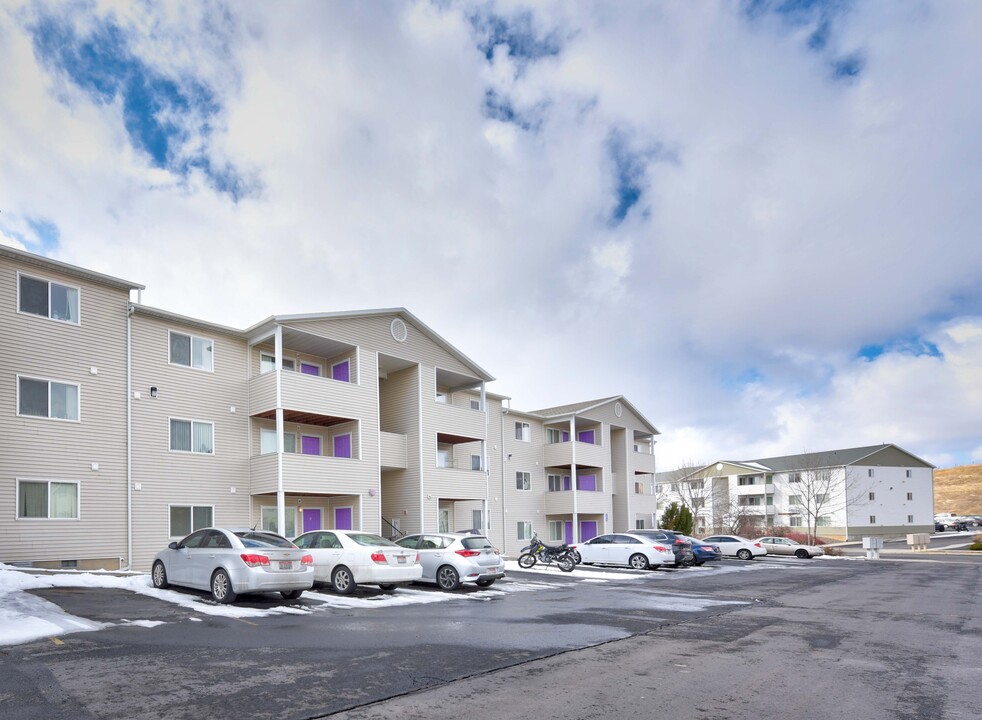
758,220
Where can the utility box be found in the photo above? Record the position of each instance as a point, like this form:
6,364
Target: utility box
872,546
918,541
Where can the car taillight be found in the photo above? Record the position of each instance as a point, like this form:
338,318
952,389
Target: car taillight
659,548
705,548
679,542
307,560
254,559
468,553
417,558
497,551
379,558
758,545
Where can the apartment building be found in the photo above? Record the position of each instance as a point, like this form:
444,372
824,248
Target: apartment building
127,426
841,494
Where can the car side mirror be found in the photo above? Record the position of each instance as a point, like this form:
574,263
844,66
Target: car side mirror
173,545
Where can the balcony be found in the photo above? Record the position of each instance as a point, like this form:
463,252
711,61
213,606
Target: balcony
393,453
644,463
755,489
560,455
561,503
310,394
313,474
459,421
451,483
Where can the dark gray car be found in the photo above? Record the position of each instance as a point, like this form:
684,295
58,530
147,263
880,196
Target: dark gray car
680,544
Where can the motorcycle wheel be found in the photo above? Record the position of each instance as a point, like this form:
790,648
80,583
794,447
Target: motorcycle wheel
526,561
566,563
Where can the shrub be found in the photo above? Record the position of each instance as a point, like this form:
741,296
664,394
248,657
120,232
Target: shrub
976,542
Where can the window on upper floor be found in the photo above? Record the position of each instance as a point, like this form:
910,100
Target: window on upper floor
194,436
872,496
523,432
48,299
442,397
47,399
821,497
638,488
267,363
523,481
50,499
555,483
910,473
794,477
823,521
475,404
794,499
267,441
872,519
185,519
476,464
870,472
191,351
910,496
794,521
553,436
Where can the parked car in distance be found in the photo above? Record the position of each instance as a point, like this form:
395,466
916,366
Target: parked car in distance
450,559
787,546
680,545
348,558
703,552
736,546
230,563
636,551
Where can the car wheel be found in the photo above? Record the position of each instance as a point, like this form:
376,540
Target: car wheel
486,582
638,561
576,557
159,575
387,587
291,594
801,554
447,578
744,554
221,587
526,561
342,580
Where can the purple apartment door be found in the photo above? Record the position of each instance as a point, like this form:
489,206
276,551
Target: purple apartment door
588,530
310,445
342,446
565,436
586,482
340,372
307,369
566,483
311,519
342,518
568,532
586,436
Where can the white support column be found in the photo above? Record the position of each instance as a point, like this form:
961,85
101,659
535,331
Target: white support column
572,479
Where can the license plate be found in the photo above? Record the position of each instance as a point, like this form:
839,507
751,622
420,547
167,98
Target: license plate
490,571
402,559
286,565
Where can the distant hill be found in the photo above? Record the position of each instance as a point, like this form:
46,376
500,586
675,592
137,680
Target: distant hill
958,490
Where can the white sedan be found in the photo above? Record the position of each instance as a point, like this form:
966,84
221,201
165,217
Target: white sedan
736,546
634,551
348,558
787,546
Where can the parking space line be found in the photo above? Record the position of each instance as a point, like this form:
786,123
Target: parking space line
246,622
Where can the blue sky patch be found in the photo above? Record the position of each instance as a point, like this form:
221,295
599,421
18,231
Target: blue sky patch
905,346
160,113
517,34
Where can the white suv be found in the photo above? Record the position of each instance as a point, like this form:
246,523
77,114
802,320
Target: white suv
449,559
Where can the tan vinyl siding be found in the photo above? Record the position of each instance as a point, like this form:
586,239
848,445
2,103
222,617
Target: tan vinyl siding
39,347
178,478
399,411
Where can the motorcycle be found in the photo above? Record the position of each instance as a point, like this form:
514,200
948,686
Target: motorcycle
538,551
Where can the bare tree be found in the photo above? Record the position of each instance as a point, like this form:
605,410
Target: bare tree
691,489
736,519
819,488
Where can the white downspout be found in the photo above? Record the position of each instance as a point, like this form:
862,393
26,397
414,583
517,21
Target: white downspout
485,517
129,437
422,494
280,495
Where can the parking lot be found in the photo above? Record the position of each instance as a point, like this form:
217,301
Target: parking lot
739,639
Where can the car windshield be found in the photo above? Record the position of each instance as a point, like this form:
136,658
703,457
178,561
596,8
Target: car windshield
475,543
251,538
369,539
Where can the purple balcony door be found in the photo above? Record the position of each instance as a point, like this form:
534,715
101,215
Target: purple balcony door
310,445
308,369
565,436
342,445
586,436
586,482
568,532
566,483
311,519
340,372
588,530
342,518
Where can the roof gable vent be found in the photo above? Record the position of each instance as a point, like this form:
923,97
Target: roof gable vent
399,330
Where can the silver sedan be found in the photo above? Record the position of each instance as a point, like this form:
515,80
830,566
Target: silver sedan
787,546
230,563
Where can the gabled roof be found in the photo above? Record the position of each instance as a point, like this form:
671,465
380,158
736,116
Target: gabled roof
185,320
582,407
72,270
829,458
274,320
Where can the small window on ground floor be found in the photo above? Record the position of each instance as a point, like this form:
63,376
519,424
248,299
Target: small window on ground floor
47,499
910,519
639,524
524,530
556,530
185,519
268,516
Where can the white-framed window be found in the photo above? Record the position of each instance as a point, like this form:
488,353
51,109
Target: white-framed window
51,399
794,477
794,499
523,481
638,487
475,404
870,472
524,530
821,497
872,496
750,500
267,441
748,481
639,524
444,458
523,432
696,484
794,521
556,531
48,299
267,363
910,496
555,483
477,517
185,519
476,465
823,521
872,519
47,499
910,518
194,436
191,351
268,520
553,436
910,473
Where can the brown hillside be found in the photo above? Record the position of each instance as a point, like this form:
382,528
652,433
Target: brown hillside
958,490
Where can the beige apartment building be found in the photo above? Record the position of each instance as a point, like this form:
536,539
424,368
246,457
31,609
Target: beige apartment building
126,426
